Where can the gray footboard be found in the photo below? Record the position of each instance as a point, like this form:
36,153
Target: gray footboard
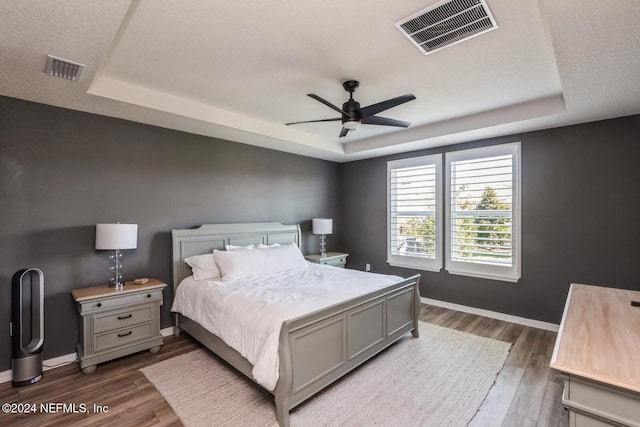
347,334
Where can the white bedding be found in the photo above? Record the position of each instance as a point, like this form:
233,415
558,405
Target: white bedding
247,314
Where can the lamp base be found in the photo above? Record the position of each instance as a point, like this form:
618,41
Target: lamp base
116,280
323,251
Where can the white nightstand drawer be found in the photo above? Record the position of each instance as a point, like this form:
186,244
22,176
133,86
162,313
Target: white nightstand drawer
120,301
121,319
336,261
122,336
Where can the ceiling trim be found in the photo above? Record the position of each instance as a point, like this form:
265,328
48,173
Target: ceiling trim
542,107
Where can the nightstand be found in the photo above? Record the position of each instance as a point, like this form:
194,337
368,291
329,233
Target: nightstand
337,259
117,322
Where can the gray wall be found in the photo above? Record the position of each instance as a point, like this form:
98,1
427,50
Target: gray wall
62,171
580,216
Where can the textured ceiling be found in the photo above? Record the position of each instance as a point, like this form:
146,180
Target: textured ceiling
240,70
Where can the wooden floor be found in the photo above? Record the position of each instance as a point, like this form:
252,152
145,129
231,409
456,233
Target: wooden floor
526,392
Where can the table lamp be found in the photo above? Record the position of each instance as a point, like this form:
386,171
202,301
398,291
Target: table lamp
322,226
116,237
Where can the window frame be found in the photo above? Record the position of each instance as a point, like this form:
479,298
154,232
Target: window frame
423,263
474,269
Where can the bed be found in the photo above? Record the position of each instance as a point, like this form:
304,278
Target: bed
348,332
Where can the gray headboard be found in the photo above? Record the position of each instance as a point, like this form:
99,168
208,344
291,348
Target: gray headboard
207,237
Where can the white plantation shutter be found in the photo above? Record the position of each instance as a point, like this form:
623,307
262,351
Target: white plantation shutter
483,205
414,235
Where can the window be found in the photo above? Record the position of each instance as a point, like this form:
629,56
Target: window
483,212
414,237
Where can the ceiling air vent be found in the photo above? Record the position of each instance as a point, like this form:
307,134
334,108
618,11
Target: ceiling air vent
447,23
63,68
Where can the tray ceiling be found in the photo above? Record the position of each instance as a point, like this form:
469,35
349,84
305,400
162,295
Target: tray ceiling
240,70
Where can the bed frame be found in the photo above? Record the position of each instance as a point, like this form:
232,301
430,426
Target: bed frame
348,333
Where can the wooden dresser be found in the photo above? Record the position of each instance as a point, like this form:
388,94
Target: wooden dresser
597,352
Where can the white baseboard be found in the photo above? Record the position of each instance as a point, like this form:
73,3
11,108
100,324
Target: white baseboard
493,315
167,332
5,376
56,362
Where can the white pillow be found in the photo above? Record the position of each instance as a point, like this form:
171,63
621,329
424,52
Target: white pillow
263,246
239,248
242,264
203,267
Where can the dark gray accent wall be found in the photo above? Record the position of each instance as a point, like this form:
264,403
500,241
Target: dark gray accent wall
63,171
580,219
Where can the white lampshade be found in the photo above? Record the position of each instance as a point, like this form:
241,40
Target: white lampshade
322,226
116,236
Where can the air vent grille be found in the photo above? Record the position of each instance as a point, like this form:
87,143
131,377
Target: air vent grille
63,68
447,23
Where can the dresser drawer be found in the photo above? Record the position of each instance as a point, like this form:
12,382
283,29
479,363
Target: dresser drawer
122,337
121,319
91,306
577,419
600,402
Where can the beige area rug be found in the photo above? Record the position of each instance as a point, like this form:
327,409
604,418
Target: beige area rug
439,379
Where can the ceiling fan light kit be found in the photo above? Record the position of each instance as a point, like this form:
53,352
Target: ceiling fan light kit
352,116
351,124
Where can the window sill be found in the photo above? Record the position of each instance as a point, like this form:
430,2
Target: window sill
502,278
414,266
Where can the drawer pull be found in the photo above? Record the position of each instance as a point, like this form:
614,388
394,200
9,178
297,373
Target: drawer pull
99,305
148,295
128,316
126,334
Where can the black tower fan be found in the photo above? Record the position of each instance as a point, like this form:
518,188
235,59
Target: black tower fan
27,326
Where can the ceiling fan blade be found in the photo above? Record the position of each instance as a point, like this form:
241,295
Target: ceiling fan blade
375,120
344,132
385,105
315,121
330,105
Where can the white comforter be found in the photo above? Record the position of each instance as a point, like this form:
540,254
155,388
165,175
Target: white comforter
247,314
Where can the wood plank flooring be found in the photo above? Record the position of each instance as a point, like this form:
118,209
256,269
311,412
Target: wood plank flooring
526,393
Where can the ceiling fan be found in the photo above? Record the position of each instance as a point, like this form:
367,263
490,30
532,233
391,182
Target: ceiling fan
353,115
